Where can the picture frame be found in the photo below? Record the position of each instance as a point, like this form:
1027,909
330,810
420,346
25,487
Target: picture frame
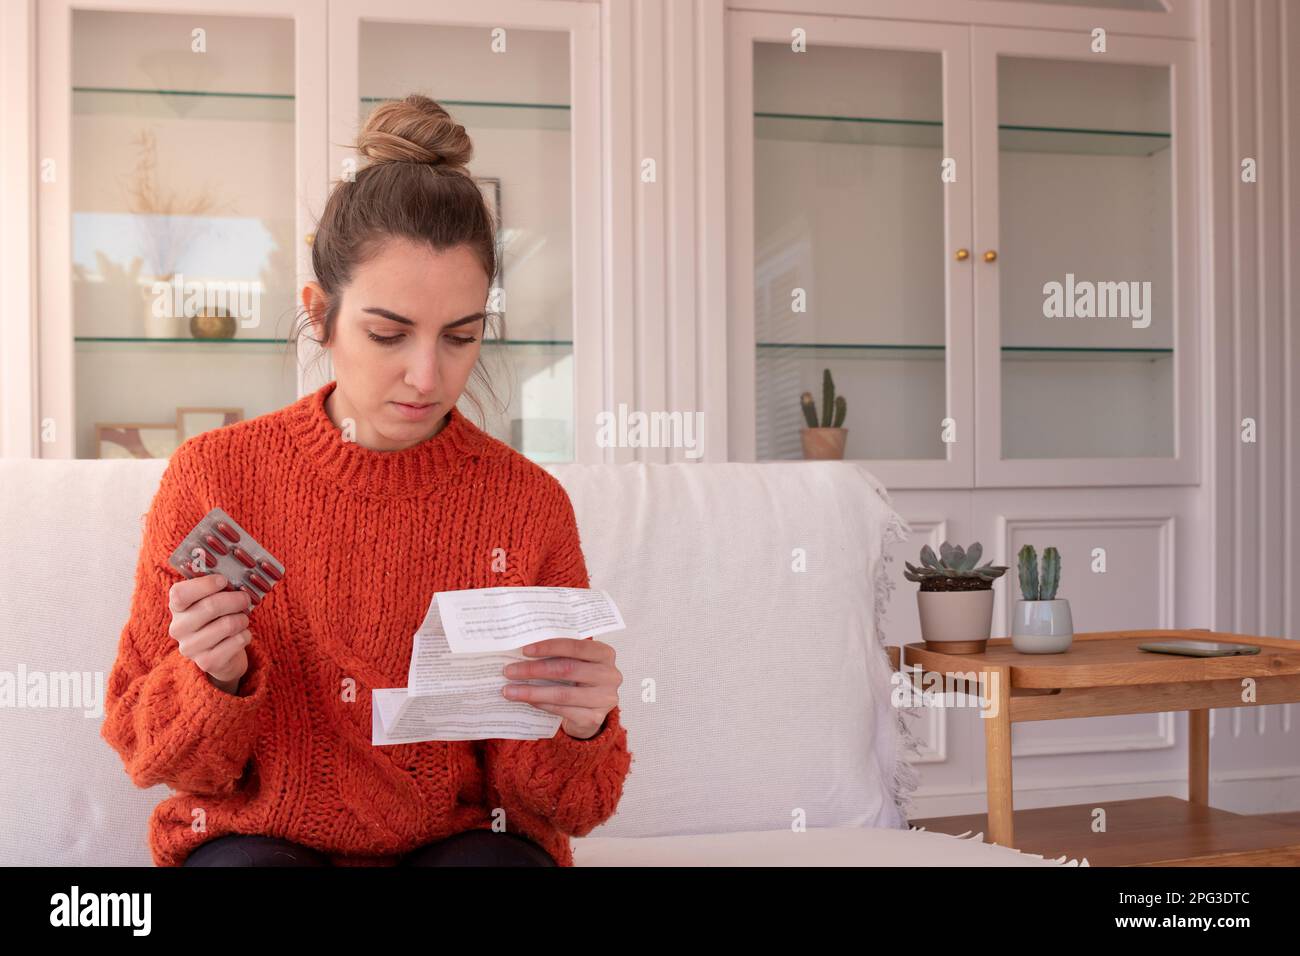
490,187
193,420
116,440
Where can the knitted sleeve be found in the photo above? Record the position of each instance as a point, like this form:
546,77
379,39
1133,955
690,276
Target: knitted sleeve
574,784
163,715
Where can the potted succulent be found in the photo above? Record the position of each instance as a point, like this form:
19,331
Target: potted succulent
955,599
1042,623
825,441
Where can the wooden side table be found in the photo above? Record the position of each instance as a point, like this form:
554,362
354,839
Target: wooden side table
1102,674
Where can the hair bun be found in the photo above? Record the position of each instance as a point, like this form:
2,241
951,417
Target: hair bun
415,129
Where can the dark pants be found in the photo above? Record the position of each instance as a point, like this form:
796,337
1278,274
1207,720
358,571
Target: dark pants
471,848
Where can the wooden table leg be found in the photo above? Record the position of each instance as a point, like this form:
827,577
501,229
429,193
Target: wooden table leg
995,689
1198,757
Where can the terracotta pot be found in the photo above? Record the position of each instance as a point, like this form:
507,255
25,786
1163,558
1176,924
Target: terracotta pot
824,443
956,622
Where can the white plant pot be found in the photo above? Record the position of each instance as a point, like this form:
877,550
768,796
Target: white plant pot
1042,627
160,326
956,622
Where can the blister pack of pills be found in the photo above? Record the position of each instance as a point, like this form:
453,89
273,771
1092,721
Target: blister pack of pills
218,545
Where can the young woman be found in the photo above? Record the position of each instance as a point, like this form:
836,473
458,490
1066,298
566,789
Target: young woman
375,492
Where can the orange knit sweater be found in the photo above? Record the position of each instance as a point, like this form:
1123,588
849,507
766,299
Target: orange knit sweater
367,538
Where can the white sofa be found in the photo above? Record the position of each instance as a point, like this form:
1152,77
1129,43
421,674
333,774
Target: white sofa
755,685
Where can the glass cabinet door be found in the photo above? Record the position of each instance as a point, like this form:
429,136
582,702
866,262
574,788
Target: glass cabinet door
513,90
1085,298
852,202
176,226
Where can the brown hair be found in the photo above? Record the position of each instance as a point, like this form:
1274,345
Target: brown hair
416,186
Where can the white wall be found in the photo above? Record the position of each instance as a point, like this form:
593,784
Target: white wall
1253,236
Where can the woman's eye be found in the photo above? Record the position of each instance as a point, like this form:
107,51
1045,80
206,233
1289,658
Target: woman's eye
392,339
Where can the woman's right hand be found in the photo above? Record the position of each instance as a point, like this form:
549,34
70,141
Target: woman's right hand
211,626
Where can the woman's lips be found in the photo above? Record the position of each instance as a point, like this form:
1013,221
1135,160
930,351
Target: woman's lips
414,411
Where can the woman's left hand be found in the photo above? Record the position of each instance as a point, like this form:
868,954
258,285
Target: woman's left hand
589,664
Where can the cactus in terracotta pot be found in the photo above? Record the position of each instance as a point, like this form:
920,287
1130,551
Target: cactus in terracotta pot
825,440
833,408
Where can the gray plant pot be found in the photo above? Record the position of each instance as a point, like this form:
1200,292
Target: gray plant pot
1042,627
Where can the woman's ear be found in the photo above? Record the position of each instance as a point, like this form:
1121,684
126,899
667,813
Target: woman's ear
313,300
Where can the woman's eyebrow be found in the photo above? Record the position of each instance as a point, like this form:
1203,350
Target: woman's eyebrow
405,321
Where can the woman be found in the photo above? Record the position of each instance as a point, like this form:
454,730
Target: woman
375,492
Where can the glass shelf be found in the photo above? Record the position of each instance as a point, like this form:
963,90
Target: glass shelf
1084,142
188,340
483,114
1013,352
181,104
878,131
854,130
244,341
278,107
805,350
1021,353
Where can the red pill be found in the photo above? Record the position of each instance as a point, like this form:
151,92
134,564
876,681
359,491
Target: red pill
209,562
251,594
255,578
227,532
244,558
216,544
271,570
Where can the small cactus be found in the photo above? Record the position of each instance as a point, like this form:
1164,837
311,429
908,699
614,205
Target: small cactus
834,407
809,409
1031,586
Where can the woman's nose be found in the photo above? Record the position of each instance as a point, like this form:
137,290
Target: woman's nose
423,374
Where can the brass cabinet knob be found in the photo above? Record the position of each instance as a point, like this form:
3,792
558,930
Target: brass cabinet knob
309,238
962,255
990,255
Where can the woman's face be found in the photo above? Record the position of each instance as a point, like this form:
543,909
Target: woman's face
409,329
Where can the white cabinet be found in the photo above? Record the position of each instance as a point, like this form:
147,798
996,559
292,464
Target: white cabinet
179,162
524,81
840,222
867,180
988,236
186,151
1086,324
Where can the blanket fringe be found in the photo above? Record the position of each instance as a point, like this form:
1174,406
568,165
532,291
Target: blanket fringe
980,836
905,776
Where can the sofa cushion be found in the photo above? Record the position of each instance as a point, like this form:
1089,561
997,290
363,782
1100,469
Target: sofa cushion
756,688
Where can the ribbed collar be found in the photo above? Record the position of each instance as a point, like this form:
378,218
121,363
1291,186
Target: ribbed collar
381,474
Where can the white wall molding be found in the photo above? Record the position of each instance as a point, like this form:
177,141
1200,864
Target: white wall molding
665,263
1266,790
19,181
934,749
